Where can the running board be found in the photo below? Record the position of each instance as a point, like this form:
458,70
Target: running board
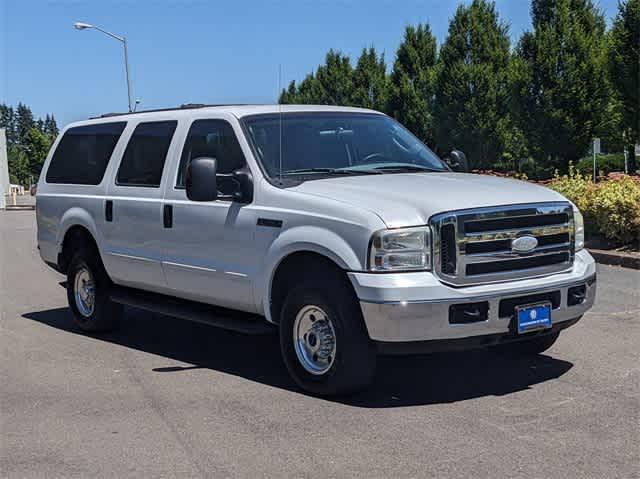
192,311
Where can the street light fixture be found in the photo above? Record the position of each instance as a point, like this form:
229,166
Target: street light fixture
123,40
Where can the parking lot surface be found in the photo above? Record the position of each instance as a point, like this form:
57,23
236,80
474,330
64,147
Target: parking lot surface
164,398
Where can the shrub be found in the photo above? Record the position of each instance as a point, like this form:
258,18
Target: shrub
610,208
615,208
576,188
605,164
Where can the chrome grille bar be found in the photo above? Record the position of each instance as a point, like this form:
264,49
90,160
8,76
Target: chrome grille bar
506,255
490,257
511,234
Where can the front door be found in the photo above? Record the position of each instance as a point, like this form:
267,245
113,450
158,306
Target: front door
209,249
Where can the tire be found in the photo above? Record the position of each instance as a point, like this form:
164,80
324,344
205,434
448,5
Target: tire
326,308
99,314
529,347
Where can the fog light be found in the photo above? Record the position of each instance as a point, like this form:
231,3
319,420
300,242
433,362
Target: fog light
576,295
468,313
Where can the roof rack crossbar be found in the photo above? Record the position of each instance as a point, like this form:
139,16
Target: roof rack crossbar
184,106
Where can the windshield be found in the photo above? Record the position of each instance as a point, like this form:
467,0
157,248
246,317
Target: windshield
343,143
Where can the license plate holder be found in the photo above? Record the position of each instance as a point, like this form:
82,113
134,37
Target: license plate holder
533,317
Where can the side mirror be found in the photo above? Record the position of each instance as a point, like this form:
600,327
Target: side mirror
201,179
457,160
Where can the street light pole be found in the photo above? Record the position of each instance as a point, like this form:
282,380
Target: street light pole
123,40
126,69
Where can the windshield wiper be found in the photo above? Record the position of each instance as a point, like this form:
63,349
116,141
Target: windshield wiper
331,171
404,168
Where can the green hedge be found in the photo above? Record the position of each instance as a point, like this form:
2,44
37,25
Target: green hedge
605,164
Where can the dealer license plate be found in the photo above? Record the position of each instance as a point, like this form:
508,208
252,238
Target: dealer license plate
533,317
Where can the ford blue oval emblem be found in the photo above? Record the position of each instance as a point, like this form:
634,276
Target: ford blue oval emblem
524,244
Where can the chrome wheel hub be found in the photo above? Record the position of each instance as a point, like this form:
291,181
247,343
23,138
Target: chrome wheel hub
314,340
84,292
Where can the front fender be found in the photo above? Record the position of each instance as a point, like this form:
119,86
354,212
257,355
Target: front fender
311,239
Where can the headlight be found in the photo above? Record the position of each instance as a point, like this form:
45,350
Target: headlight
578,222
403,249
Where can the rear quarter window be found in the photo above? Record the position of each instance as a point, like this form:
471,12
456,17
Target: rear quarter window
83,154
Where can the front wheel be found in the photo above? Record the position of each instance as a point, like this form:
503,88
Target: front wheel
529,347
324,341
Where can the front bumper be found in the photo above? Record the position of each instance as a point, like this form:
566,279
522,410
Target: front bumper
408,307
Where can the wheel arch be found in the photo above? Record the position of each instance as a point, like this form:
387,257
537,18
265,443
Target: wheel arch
286,275
312,244
77,227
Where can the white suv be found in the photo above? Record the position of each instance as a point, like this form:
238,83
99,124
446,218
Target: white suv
334,224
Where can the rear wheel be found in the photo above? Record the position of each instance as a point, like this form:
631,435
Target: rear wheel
323,339
529,347
88,293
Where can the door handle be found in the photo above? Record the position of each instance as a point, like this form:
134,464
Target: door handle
108,210
167,216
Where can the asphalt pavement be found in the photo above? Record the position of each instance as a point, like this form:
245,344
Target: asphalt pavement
168,398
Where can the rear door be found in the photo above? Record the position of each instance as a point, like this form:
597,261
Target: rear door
134,218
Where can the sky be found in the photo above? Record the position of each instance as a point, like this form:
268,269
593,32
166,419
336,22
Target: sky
197,51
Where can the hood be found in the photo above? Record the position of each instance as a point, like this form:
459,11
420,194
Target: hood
410,199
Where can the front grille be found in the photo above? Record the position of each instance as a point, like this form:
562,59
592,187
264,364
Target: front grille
475,246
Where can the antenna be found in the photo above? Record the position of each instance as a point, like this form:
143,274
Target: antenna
280,121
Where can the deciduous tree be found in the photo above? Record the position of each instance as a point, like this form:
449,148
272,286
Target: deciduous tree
36,147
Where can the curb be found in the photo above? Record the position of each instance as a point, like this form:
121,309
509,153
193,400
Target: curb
625,260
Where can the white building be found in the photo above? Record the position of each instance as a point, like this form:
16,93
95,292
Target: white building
4,169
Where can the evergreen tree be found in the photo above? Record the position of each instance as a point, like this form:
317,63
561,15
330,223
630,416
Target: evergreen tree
52,129
331,84
560,86
49,127
412,82
335,79
23,122
472,85
370,81
8,122
310,91
624,69
288,95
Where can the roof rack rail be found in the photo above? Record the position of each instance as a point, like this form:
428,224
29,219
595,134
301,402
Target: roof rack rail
184,106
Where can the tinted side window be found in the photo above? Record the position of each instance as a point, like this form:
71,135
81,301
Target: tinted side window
143,160
83,153
212,139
